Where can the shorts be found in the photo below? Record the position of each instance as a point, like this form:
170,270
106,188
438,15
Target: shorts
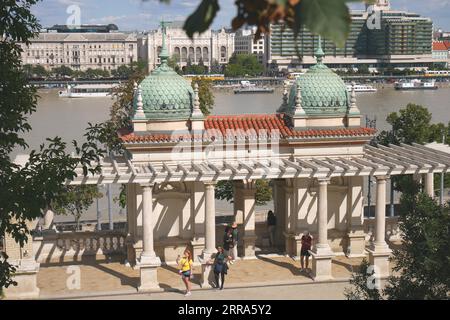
305,253
186,274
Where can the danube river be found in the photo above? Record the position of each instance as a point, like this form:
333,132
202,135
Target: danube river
67,118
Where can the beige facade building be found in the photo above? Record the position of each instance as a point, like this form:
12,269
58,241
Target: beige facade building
208,47
244,44
81,51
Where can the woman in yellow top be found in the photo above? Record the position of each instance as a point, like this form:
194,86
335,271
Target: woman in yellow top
185,263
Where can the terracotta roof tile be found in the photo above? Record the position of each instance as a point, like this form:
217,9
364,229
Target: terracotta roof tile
439,46
248,125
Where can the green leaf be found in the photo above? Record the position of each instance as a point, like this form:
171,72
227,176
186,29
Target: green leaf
330,19
202,17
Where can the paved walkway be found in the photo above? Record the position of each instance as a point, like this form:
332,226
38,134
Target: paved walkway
112,277
305,291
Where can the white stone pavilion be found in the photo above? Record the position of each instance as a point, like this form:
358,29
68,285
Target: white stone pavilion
313,148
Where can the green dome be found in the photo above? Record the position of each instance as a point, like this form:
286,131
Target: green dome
323,91
166,95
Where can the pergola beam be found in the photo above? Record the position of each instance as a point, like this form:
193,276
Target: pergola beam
436,154
292,165
390,152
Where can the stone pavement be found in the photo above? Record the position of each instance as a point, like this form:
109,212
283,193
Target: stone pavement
112,277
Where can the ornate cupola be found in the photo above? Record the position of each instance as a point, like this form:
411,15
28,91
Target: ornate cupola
319,98
164,100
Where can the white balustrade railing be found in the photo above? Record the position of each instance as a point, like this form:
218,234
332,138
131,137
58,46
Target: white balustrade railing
393,232
75,244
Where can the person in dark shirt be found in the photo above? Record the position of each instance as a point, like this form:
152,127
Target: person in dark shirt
220,267
271,227
304,252
228,242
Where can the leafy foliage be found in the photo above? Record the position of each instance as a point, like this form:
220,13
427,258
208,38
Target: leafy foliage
205,94
28,188
360,281
75,200
243,65
6,272
413,124
424,260
422,263
224,191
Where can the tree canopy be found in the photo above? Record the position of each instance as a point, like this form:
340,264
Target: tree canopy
243,65
27,189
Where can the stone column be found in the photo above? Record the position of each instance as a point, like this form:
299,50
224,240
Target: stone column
290,217
429,184
149,262
322,254
379,251
24,260
131,223
356,237
248,209
210,235
210,221
198,218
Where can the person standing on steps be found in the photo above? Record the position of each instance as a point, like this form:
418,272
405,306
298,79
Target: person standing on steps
304,252
185,264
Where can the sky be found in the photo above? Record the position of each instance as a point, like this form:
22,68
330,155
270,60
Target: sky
142,15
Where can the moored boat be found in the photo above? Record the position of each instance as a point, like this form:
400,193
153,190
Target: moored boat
416,84
247,87
361,88
87,90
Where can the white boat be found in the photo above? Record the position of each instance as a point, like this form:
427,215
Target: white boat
416,84
248,87
361,88
87,90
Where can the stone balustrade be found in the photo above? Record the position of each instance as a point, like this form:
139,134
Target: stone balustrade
72,245
393,232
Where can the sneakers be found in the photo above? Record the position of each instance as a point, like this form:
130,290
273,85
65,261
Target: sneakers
188,294
232,262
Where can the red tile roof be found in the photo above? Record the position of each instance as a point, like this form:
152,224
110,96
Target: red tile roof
439,46
447,44
244,126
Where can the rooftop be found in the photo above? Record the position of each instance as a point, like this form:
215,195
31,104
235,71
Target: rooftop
439,46
247,126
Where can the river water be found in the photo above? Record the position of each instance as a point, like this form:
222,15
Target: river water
68,118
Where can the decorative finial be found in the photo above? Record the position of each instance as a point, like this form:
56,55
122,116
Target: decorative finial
285,93
319,52
298,102
139,105
353,107
135,87
164,54
196,112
